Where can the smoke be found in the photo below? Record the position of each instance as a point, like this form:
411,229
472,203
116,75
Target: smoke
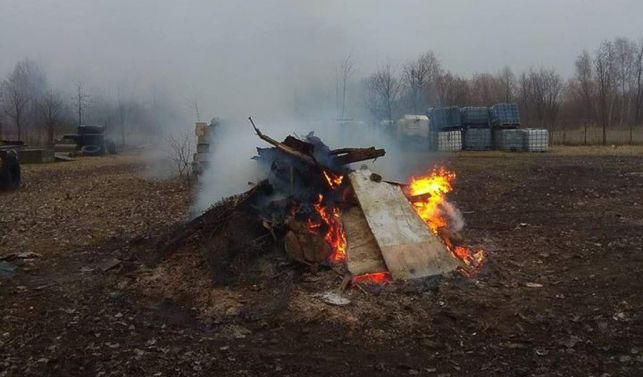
456,220
233,144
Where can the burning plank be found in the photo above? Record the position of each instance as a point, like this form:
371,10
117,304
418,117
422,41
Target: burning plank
408,247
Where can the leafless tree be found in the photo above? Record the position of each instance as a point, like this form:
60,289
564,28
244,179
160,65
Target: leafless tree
585,88
606,80
586,85
50,106
20,90
486,89
638,79
181,149
384,90
419,79
343,73
554,86
507,81
624,51
524,95
540,93
453,90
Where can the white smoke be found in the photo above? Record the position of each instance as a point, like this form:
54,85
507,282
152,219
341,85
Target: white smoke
231,167
451,212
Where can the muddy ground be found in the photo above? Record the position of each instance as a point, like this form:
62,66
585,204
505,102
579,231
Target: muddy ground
560,294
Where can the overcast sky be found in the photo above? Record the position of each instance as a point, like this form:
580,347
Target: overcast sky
236,54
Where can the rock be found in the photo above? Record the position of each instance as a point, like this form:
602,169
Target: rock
333,298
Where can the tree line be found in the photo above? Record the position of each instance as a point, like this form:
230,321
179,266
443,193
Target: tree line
33,110
606,89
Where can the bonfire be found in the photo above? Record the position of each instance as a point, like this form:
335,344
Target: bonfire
322,211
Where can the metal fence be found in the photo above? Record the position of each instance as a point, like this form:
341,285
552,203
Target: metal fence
593,135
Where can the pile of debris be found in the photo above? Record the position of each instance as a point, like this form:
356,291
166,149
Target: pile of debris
321,212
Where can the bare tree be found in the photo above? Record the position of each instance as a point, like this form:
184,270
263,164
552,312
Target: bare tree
453,90
524,95
585,87
624,51
384,91
606,80
20,90
585,77
486,89
507,81
541,94
344,73
554,86
50,106
638,78
419,78
181,150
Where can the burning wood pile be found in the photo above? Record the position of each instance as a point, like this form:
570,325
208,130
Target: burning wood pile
321,212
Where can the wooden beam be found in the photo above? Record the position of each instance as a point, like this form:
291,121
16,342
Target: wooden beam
347,156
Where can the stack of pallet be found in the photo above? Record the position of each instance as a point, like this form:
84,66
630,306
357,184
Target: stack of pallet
449,141
505,115
201,159
475,116
476,128
444,118
536,140
477,139
527,140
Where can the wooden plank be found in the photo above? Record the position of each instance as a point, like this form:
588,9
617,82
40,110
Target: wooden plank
363,253
408,247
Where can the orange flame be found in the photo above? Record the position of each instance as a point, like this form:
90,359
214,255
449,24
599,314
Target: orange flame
331,216
334,181
428,195
435,186
375,278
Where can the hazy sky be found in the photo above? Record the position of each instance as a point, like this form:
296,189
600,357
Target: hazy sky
240,54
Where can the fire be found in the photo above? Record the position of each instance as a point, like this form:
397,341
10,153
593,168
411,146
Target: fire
375,278
428,195
333,180
434,188
331,216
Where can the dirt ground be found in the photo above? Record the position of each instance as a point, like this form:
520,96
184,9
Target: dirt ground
559,295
